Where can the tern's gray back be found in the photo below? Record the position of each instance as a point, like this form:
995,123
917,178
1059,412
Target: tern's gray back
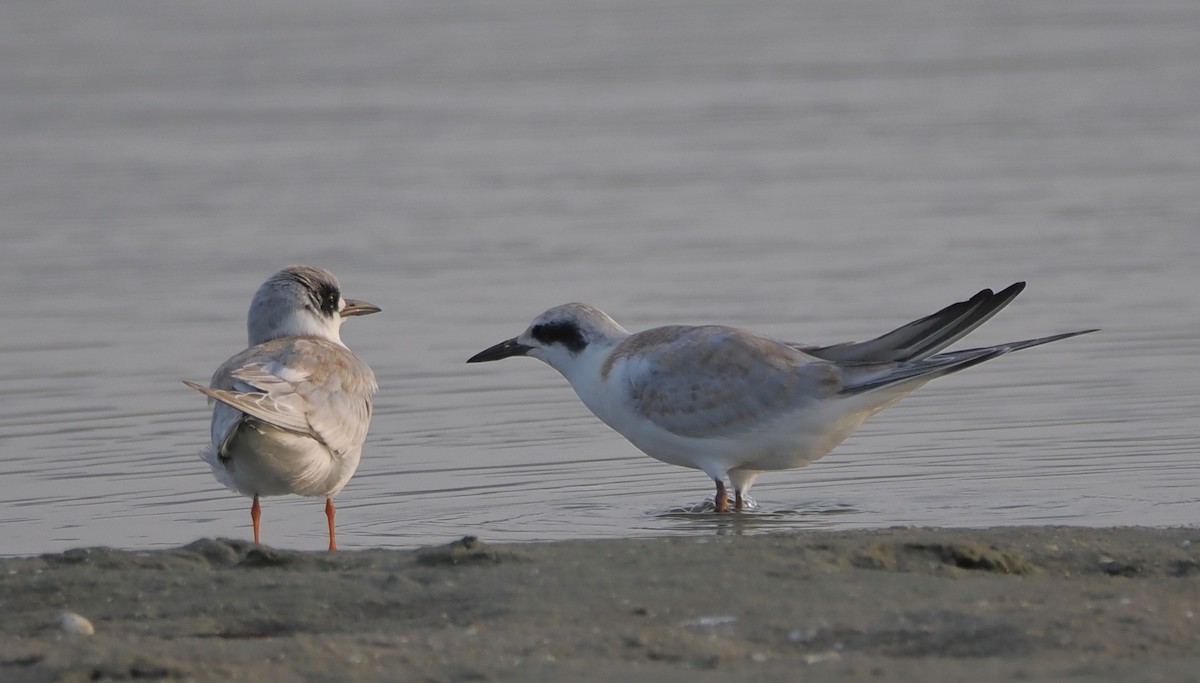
713,381
304,380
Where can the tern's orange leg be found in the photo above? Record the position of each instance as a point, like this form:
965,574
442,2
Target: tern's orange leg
722,499
255,516
330,512
738,502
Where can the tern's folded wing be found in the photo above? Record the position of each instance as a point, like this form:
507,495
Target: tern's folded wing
717,381
921,338
304,385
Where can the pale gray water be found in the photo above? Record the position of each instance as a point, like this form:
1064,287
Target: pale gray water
818,171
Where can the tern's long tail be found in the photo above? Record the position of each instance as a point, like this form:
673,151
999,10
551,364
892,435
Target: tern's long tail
870,377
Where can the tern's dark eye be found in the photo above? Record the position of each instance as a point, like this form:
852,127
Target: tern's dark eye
566,333
327,297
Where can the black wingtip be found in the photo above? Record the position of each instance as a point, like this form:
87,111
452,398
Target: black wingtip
963,317
1007,293
1015,288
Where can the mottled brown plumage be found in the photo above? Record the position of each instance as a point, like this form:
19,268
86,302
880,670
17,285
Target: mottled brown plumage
292,411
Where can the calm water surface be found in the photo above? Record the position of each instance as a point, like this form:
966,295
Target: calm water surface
817,171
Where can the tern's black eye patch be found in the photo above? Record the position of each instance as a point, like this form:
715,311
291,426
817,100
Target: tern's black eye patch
566,333
327,297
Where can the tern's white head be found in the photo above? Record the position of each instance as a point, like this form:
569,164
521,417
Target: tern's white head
559,337
301,301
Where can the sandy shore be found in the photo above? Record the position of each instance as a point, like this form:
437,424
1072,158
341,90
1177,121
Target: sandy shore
888,605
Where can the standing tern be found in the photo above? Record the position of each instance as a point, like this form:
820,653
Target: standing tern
292,411
733,403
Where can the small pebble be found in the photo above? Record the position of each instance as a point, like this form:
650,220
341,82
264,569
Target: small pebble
803,635
74,625
710,621
817,658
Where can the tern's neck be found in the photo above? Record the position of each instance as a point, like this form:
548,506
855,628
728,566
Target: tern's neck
585,376
583,370
262,329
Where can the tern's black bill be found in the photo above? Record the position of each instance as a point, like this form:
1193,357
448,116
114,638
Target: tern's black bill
355,307
505,349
